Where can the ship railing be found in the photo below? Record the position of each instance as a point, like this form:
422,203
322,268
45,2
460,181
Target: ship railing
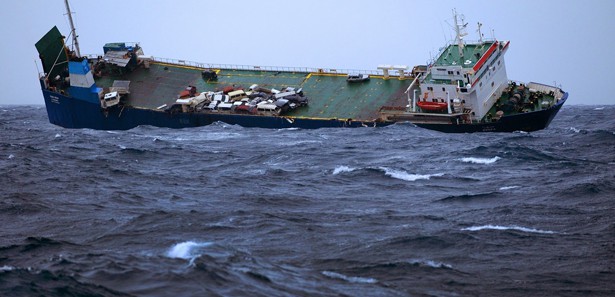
266,68
129,43
557,92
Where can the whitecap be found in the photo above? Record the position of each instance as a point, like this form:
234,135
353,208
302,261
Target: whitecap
350,279
210,136
58,135
516,228
11,156
575,130
508,188
256,172
431,263
480,160
403,175
599,108
342,169
187,250
121,146
6,268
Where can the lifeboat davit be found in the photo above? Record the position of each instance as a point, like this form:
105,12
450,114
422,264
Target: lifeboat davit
432,106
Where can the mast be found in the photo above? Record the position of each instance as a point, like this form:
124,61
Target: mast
72,28
459,27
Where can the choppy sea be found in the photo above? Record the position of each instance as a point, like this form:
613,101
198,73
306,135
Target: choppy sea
223,210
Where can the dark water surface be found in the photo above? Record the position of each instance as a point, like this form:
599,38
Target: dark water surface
229,211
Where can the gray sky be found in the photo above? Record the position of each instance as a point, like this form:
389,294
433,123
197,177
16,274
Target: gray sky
567,42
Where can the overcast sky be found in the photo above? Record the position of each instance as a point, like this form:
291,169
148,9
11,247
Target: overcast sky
567,42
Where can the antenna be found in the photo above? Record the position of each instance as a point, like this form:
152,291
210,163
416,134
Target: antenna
459,30
72,28
480,35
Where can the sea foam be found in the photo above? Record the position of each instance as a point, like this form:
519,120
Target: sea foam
342,169
403,175
186,250
350,279
508,188
480,160
430,263
6,268
516,228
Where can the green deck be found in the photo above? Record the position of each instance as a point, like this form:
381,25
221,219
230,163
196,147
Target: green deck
330,96
471,54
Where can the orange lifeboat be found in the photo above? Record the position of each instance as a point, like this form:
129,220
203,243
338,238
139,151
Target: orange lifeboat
432,106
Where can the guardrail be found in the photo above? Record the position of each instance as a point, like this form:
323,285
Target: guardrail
557,92
261,68
265,68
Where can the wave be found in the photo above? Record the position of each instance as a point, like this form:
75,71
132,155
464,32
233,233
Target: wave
199,137
585,189
300,142
403,175
475,160
342,169
430,263
350,279
43,282
466,197
394,173
575,130
123,148
187,250
508,188
516,228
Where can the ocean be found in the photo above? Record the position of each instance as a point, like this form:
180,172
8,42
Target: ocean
224,210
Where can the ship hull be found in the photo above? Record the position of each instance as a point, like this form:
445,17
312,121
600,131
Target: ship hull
528,122
74,113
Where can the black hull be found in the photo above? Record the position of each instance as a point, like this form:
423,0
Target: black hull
528,122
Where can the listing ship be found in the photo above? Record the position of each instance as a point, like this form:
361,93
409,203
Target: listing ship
464,89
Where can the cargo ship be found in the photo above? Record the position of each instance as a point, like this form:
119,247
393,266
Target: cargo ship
464,89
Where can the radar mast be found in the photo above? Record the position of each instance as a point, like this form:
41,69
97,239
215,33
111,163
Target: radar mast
460,31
